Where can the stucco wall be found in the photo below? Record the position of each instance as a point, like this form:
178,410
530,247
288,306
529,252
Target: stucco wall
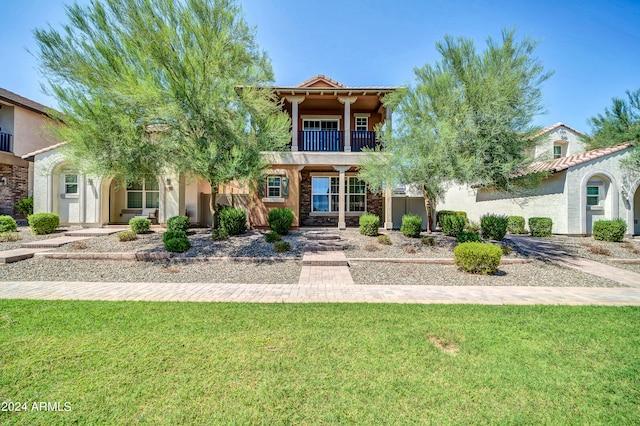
28,132
569,139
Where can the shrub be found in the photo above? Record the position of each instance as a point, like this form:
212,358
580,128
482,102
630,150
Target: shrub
477,258
465,237
24,206
609,230
177,245
440,214
428,241
219,235
127,236
452,225
493,226
506,250
411,225
44,223
369,224
384,239
280,220
281,246
602,251
178,223
540,226
170,234
233,220
371,246
7,224
140,225
515,225
272,237
7,237
472,226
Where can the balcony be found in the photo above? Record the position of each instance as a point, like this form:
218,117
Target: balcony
6,142
333,140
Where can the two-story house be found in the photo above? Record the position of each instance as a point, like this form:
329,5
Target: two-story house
21,123
316,176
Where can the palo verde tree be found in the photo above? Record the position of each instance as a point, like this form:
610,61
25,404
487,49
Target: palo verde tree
149,86
466,119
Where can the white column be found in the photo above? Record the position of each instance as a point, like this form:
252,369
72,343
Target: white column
82,203
50,193
295,101
342,223
347,101
388,200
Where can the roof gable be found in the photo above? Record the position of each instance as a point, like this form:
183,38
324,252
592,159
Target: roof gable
556,126
321,80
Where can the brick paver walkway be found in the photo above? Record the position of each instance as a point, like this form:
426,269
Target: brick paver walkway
324,262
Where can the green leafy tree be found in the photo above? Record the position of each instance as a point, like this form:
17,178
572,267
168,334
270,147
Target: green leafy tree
152,86
466,119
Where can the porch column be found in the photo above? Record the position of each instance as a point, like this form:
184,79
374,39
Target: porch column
295,101
82,204
347,101
342,223
388,200
387,118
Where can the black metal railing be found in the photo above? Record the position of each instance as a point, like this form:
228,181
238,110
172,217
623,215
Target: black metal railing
6,142
321,140
363,139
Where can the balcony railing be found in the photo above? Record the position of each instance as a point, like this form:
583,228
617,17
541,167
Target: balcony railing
333,140
6,142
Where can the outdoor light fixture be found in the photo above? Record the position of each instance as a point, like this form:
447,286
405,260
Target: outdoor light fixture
3,181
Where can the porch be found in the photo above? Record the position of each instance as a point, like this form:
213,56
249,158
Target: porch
334,140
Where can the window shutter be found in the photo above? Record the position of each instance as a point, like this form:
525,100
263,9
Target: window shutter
285,187
261,186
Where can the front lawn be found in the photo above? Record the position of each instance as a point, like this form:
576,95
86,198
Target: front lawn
188,363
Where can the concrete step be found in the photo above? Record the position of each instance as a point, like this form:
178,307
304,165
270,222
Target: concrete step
53,242
16,255
321,236
324,246
94,232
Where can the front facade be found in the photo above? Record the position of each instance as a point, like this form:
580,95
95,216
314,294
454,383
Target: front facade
21,123
316,177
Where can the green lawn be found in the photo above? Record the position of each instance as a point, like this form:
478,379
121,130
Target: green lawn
184,363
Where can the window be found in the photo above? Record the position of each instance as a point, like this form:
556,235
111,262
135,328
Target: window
70,184
362,124
557,151
143,195
593,195
325,194
318,125
274,186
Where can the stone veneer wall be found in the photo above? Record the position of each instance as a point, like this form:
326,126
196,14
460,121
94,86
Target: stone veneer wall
16,189
374,205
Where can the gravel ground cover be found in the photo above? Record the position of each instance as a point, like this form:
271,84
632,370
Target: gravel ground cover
602,251
26,236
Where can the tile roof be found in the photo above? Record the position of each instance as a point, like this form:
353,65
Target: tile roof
555,126
14,98
560,164
43,150
319,77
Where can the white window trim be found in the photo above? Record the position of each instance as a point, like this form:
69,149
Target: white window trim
66,193
144,191
600,186
279,186
355,124
346,196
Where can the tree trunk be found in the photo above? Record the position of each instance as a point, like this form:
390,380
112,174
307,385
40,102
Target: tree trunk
212,206
428,208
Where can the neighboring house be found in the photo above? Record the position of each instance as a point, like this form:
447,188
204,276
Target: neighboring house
315,177
580,189
21,123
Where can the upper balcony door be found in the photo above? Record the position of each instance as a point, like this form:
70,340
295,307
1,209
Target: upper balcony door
321,135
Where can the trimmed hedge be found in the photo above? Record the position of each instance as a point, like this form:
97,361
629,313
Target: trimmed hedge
44,223
369,224
124,236
178,223
233,220
515,225
465,237
177,245
477,258
493,226
411,225
170,234
140,225
452,225
7,224
440,214
280,220
609,230
540,226
272,237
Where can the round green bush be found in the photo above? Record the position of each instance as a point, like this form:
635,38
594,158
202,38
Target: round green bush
127,236
272,237
493,226
369,224
540,226
384,240
233,220
219,235
453,224
411,225
609,230
177,245
477,258
178,223
7,224
280,220
140,225
44,223
515,225
170,234
465,237
281,246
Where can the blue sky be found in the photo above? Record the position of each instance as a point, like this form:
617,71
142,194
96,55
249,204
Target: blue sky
593,46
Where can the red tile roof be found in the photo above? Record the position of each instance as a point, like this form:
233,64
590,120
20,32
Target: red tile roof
42,151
